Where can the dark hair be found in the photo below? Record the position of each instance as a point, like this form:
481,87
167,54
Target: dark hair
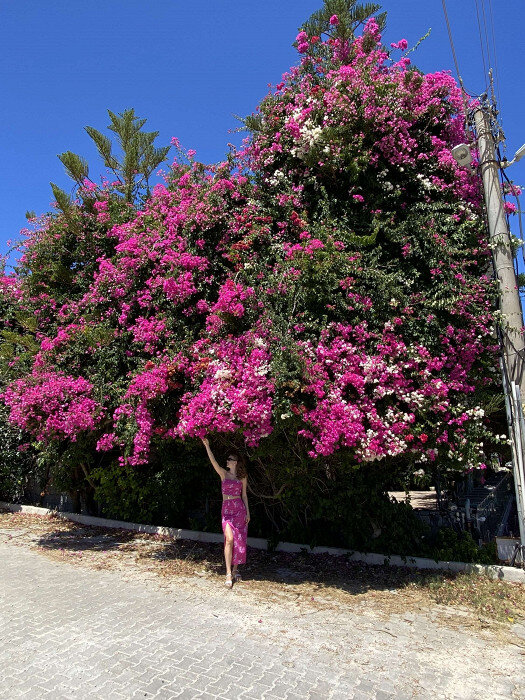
241,464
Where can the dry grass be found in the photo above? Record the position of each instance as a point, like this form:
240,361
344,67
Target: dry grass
489,600
319,581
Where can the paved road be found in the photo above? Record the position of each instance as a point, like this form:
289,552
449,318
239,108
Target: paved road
73,632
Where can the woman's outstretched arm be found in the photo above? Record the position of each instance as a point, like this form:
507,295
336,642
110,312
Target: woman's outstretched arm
220,471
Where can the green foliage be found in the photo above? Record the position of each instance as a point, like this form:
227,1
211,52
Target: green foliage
177,488
76,167
18,341
60,264
448,545
330,503
139,156
63,200
16,460
125,492
327,502
351,16
132,168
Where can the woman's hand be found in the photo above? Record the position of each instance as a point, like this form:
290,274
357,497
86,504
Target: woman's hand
205,442
247,518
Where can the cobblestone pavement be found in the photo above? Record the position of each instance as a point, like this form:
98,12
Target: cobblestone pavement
73,632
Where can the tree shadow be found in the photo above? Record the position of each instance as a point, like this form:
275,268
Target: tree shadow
77,537
323,571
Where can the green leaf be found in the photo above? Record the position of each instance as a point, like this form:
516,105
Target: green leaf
76,166
103,145
62,198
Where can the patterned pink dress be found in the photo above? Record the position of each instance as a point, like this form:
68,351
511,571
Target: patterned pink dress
234,515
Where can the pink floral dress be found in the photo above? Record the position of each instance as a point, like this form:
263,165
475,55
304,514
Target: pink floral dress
234,515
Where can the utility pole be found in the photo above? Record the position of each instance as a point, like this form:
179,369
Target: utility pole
513,350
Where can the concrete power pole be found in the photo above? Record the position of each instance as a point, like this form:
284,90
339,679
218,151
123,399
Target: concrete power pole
513,364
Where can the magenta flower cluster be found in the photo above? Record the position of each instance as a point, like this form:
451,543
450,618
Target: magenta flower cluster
235,390
51,405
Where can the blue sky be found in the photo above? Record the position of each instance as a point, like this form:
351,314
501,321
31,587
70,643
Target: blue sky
189,67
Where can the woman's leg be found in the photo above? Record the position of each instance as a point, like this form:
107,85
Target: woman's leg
228,548
239,540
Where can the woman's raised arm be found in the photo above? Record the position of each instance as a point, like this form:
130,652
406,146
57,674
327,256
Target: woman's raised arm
220,471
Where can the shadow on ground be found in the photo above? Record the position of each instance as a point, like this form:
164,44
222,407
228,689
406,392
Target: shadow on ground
185,556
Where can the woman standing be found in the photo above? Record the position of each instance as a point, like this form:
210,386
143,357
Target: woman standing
235,511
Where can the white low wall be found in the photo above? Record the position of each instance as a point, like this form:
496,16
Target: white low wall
504,573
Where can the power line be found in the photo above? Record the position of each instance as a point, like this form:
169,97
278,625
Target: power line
518,211
486,23
495,83
489,56
484,17
496,67
451,40
482,48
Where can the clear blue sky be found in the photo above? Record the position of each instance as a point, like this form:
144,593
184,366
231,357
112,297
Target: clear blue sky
189,67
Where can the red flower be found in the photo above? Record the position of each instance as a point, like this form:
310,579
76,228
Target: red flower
423,437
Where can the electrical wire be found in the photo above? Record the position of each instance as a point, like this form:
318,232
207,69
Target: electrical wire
495,130
485,31
455,58
496,66
519,212
493,62
482,48
491,59
504,179
489,56
450,39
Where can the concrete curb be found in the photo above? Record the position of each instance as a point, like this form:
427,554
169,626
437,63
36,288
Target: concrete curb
494,571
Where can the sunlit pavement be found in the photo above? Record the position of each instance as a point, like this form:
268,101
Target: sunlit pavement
73,632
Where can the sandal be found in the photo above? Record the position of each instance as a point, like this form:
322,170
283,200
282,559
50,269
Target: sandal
237,577
228,583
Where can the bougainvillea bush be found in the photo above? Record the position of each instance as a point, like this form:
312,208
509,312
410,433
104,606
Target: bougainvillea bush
322,298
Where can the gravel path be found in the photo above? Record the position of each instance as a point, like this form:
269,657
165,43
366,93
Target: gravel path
71,631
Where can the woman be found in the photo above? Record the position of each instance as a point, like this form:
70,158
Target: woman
235,511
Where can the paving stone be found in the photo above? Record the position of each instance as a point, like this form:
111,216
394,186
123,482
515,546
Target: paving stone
67,631
281,688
